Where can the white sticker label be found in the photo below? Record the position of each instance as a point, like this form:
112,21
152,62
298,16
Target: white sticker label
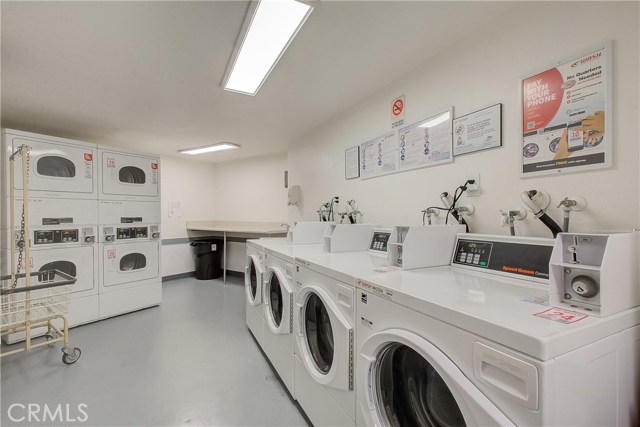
561,315
541,300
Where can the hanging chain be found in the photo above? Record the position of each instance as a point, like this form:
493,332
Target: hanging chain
21,242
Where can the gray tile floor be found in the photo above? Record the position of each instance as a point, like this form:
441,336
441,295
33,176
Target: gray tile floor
189,362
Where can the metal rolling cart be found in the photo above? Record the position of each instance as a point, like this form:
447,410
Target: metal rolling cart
32,300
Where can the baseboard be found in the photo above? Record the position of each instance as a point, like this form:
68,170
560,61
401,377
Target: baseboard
179,276
193,274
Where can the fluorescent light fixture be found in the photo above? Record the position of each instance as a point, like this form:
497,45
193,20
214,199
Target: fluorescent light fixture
436,120
267,31
210,148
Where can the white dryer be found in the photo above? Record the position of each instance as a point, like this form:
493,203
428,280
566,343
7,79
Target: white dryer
253,281
324,329
474,344
278,303
129,256
58,168
128,176
62,236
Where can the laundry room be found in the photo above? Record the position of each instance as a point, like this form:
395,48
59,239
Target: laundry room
410,213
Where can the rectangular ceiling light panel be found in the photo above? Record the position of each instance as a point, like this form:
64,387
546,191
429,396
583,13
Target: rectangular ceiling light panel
273,25
210,148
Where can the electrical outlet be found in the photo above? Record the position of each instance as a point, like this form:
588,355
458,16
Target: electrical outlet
473,189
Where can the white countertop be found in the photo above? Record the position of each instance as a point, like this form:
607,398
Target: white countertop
246,227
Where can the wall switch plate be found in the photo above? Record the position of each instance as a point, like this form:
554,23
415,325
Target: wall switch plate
473,189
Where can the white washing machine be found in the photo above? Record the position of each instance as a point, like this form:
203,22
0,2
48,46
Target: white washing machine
58,168
62,236
278,302
128,176
324,329
474,344
253,281
130,276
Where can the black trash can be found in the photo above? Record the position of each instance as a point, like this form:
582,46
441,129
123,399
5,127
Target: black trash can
208,258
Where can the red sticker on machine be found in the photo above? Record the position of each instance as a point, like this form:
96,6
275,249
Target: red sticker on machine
111,254
154,166
561,315
88,157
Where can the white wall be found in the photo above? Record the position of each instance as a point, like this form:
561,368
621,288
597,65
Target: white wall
191,184
252,189
475,72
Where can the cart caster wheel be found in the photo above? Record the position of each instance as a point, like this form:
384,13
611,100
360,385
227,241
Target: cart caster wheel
51,336
71,356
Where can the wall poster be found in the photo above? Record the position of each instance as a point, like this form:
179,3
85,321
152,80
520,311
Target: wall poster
566,116
352,162
477,131
426,143
379,156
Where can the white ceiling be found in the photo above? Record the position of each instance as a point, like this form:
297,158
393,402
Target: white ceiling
146,75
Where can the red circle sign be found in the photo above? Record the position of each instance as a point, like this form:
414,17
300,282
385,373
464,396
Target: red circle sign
398,107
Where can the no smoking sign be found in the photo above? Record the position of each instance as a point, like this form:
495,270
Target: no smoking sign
397,111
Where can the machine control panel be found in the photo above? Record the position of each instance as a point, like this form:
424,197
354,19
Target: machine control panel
55,236
379,241
130,219
473,253
132,233
519,258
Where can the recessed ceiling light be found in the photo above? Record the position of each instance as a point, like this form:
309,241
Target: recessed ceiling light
267,31
210,148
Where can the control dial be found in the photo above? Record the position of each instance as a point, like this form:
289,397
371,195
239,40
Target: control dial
584,286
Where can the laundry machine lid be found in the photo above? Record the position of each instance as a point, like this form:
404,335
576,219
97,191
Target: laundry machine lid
410,382
278,296
253,280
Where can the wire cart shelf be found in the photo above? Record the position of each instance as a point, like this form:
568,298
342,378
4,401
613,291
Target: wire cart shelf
30,301
38,302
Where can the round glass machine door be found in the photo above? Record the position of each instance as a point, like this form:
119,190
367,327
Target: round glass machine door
319,333
410,392
253,279
275,299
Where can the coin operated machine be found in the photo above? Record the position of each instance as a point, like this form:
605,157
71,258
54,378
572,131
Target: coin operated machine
595,273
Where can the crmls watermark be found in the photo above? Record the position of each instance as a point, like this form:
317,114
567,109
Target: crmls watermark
36,413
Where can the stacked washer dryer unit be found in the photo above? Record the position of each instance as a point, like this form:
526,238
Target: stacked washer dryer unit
129,231
324,325
63,214
477,344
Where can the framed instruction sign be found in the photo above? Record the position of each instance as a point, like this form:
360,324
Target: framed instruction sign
477,131
426,143
379,156
352,162
566,116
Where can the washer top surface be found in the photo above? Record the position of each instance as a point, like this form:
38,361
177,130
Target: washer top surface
280,248
501,309
346,266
